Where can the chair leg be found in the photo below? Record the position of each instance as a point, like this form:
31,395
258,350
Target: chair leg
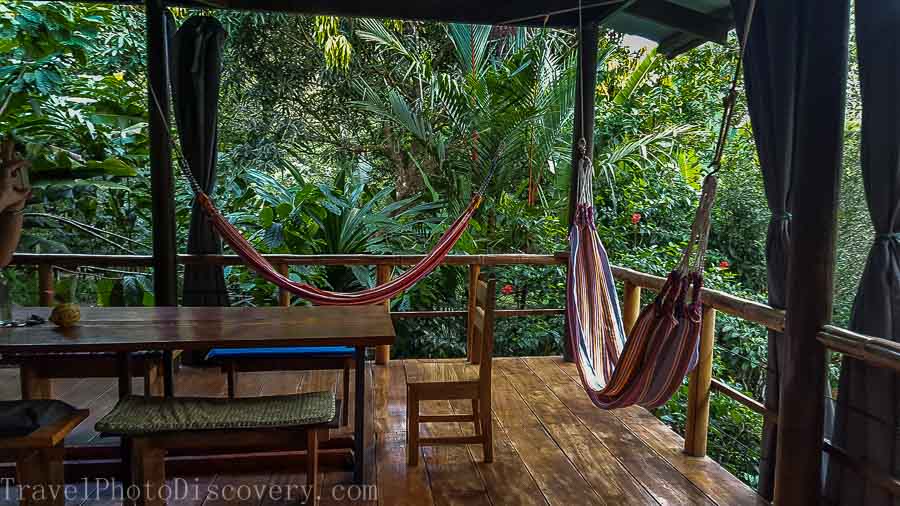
34,386
40,474
148,468
412,426
231,374
487,431
312,466
153,378
476,419
345,408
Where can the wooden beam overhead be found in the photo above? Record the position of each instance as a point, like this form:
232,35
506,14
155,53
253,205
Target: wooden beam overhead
712,27
688,24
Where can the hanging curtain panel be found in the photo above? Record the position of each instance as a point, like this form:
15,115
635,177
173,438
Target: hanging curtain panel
868,397
770,76
195,53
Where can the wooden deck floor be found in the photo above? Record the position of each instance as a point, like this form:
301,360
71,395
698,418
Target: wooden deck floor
552,446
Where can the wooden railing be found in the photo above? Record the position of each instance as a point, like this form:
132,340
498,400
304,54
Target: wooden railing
874,351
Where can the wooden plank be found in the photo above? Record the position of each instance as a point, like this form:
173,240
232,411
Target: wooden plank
559,481
397,482
704,473
507,479
172,328
451,471
599,467
657,476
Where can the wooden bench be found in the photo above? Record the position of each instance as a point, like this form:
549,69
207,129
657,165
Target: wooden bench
155,424
34,432
235,360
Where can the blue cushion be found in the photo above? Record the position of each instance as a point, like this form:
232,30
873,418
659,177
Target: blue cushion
309,351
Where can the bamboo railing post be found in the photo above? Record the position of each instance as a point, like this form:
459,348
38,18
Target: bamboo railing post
284,296
697,424
45,284
382,276
632,306
472,349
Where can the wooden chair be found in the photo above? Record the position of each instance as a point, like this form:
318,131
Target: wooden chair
39,453
442,380
155,424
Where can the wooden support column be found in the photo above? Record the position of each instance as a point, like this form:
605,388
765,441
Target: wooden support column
631,308
697,426
382,276
161,184
819,117
473,349
585,94
284,296
45,284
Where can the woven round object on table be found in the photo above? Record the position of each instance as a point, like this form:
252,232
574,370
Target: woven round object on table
137,415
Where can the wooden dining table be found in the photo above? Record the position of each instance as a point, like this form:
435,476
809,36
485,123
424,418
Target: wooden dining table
124,331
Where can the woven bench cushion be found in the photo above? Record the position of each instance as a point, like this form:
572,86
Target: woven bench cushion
20,418
281,352
137,416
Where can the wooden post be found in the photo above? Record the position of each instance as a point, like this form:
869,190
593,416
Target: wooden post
631,308
45,284
382,276
583,128
697,426
165,270
820,94
284,296
473,349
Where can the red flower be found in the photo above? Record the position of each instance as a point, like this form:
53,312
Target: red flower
635,218
724,264
507,289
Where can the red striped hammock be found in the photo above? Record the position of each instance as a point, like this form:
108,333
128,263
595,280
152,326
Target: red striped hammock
414,274
648,366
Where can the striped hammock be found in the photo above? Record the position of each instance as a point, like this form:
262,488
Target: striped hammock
254,260
647,366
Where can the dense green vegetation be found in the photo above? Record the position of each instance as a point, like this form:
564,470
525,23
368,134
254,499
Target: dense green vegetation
362,136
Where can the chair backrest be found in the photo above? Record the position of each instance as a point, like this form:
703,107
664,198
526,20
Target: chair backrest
483,323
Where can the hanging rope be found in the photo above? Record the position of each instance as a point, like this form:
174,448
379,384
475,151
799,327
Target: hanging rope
647,366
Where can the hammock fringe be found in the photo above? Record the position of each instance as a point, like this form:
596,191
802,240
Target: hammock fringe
647,367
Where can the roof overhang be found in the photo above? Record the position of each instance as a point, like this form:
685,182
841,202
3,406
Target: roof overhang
677,25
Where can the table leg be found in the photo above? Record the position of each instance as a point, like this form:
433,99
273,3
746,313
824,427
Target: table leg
168,374
123,362
359,418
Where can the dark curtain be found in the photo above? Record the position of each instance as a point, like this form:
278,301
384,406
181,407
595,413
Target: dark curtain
195,65
867,409
771,68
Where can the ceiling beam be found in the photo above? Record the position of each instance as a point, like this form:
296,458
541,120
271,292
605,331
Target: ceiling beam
713,27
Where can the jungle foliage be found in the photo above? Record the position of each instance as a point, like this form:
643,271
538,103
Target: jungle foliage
365,136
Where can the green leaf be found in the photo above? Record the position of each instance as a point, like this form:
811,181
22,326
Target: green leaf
266,217
116,167
284,210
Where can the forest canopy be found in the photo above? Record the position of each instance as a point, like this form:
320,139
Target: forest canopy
369,136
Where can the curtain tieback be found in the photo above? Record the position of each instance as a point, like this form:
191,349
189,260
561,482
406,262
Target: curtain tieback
893,236
782,216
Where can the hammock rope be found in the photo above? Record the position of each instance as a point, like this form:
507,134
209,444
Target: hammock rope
646,367
257,262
